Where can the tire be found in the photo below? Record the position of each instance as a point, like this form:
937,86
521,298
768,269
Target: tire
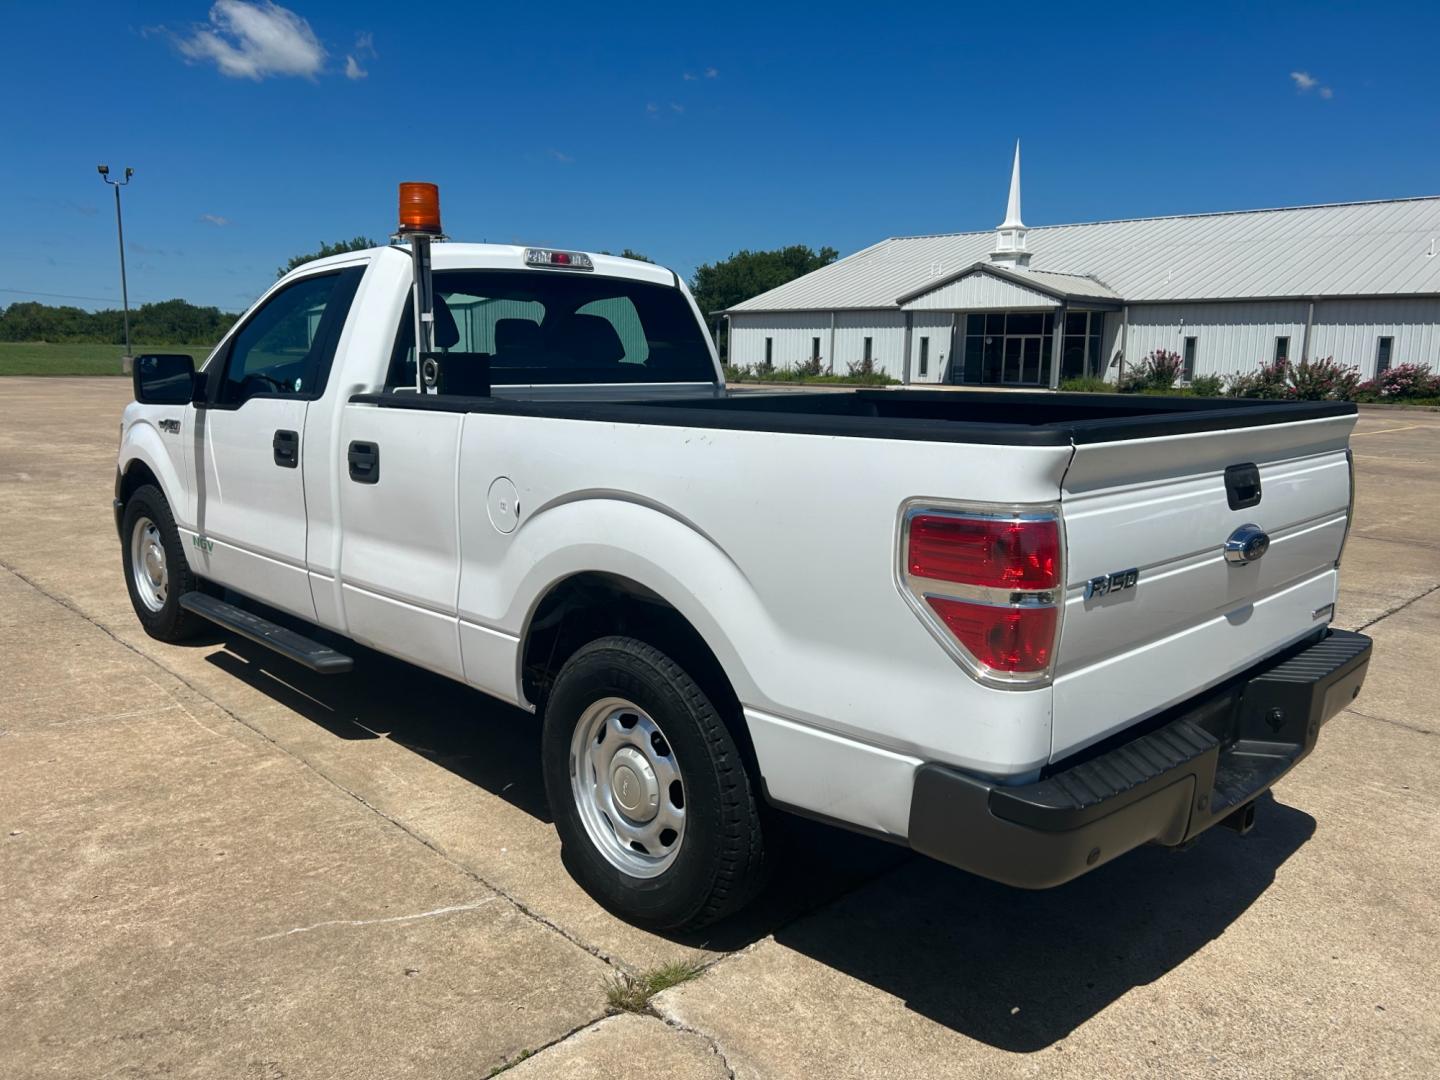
148,533
715,861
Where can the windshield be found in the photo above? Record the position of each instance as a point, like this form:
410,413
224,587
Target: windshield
548,327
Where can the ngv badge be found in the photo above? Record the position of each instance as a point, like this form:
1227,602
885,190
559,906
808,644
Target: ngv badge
1106,584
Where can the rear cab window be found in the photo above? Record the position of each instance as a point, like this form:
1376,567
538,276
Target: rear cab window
541,327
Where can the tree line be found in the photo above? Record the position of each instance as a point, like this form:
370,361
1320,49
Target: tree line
170,322
717,286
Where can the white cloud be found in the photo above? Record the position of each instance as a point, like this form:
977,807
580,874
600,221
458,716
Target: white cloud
364,49
652,108
1326,93
214,219
255,40
712,73
1303,80
676,107
690,76
353,70
561,157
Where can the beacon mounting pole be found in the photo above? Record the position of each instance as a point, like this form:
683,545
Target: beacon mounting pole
420,224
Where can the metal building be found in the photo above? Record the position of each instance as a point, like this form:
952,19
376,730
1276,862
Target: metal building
1029,307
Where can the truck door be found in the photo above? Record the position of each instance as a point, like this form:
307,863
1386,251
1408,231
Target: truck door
250,499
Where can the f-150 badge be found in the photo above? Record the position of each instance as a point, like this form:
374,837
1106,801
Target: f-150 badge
1106,584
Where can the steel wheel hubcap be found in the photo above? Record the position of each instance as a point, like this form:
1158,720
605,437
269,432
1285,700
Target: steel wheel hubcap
627,787
147,564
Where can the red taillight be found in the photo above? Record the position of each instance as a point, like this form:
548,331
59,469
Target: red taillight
1014,639
993,553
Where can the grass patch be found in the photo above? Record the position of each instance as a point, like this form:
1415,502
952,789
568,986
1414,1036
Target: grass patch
44,358
632,993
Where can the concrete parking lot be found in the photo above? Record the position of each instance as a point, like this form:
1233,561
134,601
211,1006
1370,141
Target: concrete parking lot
214,864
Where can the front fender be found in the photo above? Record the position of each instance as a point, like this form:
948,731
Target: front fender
143,442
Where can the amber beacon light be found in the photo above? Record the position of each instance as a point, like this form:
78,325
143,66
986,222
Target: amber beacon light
419,208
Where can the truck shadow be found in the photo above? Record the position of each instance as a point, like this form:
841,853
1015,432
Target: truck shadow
1021,970
1017,970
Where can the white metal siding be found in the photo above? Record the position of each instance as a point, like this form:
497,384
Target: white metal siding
1229,337
791,334
1350,330
982,292
936,327
886,328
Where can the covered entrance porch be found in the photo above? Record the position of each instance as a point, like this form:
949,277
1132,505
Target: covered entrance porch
1019,327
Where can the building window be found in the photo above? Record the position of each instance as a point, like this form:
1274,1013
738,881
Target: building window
814,348
869,344
1382,355
1282,349
924,357
769,352
1188,371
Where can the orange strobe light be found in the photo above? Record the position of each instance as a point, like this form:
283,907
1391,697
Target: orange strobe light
419,208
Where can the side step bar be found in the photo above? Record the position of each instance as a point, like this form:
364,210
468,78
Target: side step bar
318,658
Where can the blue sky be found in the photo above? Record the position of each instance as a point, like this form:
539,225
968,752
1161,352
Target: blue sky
683,131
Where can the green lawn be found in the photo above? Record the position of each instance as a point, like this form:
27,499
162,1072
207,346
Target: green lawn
40,358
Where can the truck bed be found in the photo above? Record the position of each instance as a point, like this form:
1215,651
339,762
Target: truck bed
1004,417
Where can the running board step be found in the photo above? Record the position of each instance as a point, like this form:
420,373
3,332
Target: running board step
318,658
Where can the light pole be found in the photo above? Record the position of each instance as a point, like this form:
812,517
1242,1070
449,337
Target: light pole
104,171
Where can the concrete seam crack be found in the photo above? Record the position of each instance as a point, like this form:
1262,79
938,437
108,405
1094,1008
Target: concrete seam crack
411,832
710,1040
526,1055
1398,608
1393,723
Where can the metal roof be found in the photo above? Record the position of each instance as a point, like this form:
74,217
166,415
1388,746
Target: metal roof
1346,249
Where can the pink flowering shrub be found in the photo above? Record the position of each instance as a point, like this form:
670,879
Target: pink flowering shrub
1399,383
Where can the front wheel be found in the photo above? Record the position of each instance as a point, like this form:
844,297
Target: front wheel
156,573
651,798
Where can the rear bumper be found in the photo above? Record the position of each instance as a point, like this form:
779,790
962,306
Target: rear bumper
1188,770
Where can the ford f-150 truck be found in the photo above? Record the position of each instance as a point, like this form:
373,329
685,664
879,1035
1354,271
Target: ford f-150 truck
1022,633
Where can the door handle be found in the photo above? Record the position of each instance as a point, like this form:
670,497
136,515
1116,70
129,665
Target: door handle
364,458
286,445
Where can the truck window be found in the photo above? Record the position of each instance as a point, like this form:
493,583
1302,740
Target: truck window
547,327
286,346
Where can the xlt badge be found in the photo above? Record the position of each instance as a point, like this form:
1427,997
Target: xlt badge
1106,584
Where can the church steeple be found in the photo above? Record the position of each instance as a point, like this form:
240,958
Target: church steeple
1010,234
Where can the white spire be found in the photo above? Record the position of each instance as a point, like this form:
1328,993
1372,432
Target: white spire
1012,208
1010,234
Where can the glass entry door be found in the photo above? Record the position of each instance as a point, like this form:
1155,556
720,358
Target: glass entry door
1023,360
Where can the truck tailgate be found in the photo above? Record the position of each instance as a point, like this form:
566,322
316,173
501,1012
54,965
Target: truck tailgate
1160,506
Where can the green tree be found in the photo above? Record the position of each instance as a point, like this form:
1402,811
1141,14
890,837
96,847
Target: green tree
629,254
171,322
725,283
358,243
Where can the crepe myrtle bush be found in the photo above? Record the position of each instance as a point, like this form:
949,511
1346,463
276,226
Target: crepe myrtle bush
1401,382
1158,371
1322,380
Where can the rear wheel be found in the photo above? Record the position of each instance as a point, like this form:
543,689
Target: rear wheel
156,573
651,798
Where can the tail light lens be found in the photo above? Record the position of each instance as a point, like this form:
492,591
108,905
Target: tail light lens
1013,554
1002,638
989,585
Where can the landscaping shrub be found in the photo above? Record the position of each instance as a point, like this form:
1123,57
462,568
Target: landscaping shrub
1270,381
1207,385
1403,382
1322,380
1158,371
1089,384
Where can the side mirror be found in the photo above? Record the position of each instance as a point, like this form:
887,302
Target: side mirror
164,379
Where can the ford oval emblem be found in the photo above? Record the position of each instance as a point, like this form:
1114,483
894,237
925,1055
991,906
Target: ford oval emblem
1247,544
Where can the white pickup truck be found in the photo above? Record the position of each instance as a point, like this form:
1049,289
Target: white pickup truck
1021,633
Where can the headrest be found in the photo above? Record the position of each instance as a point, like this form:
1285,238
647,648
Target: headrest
596,342
517,335
447,334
